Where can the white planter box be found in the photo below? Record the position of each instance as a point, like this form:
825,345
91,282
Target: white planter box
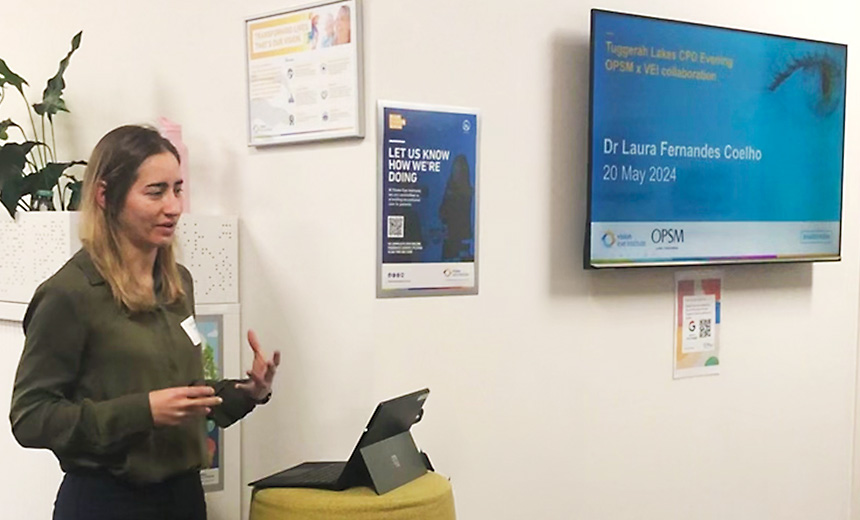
32,248
38,243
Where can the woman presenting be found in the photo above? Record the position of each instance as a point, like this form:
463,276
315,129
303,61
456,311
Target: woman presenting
111,376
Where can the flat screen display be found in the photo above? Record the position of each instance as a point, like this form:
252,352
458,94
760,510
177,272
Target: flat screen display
712,145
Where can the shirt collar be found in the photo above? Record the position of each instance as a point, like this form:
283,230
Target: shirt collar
85,263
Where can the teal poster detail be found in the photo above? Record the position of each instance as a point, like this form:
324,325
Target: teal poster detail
211,329
428,180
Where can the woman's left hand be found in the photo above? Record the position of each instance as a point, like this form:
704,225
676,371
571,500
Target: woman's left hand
262,372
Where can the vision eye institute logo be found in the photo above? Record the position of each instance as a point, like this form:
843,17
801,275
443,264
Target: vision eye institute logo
608,239
611,239
454,273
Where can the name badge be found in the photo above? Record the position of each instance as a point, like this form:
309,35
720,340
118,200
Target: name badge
190,328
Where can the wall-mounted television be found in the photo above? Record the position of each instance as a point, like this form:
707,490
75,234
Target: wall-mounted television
710,145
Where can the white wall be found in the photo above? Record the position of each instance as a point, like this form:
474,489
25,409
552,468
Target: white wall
552,394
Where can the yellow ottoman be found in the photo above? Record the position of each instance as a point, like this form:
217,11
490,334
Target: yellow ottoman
426,498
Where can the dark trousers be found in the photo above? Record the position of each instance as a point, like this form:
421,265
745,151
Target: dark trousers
103,497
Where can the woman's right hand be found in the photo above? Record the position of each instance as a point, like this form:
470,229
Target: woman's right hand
173,406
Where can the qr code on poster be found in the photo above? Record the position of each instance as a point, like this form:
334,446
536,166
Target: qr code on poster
705,328
395,226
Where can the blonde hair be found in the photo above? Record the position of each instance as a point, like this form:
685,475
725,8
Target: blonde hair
114,162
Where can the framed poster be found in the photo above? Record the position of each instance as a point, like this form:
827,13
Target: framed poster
219,327
211,327
698,301
428,200
304,74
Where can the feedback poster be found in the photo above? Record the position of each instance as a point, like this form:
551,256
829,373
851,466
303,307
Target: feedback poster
713,143
697,323
428,181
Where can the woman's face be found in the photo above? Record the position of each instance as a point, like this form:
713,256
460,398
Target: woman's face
153,204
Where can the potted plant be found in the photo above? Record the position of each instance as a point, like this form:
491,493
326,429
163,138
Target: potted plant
29,167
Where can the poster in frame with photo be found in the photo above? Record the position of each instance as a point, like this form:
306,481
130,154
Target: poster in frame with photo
219,327
427,218
211,327
304,73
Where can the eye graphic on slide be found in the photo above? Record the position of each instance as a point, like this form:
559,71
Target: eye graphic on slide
821,79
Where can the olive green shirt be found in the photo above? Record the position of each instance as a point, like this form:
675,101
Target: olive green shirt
88,365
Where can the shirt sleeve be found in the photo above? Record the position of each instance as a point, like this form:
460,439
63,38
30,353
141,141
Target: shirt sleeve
44,413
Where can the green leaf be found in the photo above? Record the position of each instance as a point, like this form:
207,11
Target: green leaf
76,188
4,125
16,185
12,192
13,157
52,101
7,76
47,177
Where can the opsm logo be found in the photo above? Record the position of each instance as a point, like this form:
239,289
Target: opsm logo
667,236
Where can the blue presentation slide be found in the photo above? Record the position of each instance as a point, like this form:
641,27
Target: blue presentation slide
694,126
